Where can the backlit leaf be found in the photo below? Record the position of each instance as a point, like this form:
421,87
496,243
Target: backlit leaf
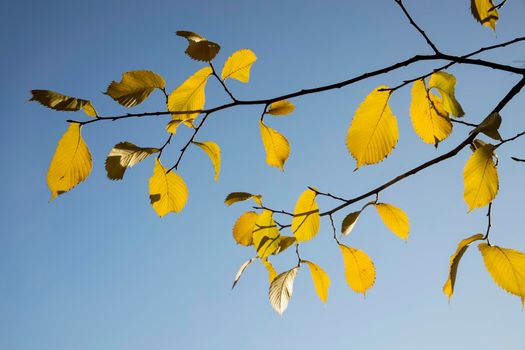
306,220
507,268
480,178
432,126
284,243
167,191
360,272
241,270
321,280
59,102
281,108
238,65
135,87
214,152
265,234
199,48
373,133
123,156
271,271
276,146
445,84
394,218
281,290
235,197
484,12
71,163
489,126
349,222
243,228
448,288
189,96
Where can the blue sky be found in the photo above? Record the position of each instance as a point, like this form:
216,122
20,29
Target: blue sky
97,268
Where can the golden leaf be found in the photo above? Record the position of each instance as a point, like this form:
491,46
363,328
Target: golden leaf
445,84
71,163
480,178
59,102
265,234
238,65
214,152
167,191
135,87
360,272
276,146
281,290
306,220
448,288
199,48
484,12
373,133
241,270
271,271
281,108
321,280
394,218
123,156
243,228
235,197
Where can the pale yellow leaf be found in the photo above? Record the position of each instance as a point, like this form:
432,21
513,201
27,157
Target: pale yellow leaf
271,271
489,126
321,280
199,48
238,65
123,156
59,102
281,290
276,146
429,124
241,270
306,220
167,191
243,228
484,12
448,288
172,125
214,152
394,218
189,96
373,133
284,243
135,87
360,272
266,235
235,197
281,108
507,268
445,84
480,178
71,163
349,222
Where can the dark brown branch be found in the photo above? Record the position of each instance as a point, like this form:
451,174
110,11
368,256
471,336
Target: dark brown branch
517,159
222,83
510,139
458,121
489,223
427,39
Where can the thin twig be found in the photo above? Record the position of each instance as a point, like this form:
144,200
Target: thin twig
489,223
517,159
222,83
333,228
510,139
427,39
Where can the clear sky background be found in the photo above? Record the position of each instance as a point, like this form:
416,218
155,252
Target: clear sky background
97,268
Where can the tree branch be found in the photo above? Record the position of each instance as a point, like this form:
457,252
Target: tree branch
423,34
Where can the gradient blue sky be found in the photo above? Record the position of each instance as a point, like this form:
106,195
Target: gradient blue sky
97,269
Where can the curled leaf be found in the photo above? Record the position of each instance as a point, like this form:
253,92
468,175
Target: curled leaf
484,12
321,280
241,270
281,290
199,48
271,271
214,152
238,65
266,235
235,197
59,102
445,84
135,87
489,126
349,222
125,155
281,108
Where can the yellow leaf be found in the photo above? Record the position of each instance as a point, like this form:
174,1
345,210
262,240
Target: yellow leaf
235,197
507,268
199,48
271,271
71,163
214,152
281,290
265,234
489,126
243,228
428,123
167,191
189,96
238,65
306,220
395,219
349,222
360,272
276,146
445,84
241,270
172,125
59,102
284,243
373,133
321,280
281,108
123,156
448,288
484,12
135,87
480,178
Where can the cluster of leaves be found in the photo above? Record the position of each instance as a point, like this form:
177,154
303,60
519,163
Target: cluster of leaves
371,137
